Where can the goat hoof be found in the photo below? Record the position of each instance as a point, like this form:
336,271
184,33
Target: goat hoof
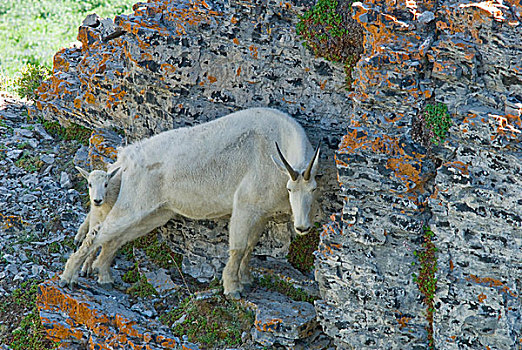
233,295
62,283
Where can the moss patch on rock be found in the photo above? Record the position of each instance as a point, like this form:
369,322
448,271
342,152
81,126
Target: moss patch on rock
330,31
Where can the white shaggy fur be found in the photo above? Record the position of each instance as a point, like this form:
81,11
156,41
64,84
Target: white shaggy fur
221,168
104,189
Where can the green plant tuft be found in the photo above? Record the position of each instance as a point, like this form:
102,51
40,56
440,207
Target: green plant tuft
72,132
31,76
438,121
330,31
286,288
300,252
426,280
213,322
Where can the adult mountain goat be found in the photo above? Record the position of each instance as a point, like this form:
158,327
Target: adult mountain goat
250,165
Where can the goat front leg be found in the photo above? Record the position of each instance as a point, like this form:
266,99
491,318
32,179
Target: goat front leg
75,261
243,224
245,276
110,248
82,230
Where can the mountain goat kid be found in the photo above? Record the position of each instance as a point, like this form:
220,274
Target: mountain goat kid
104,189
232,166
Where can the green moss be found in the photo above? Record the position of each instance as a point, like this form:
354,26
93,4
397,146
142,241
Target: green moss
140,287
330,32
300,253
277,284
214,322
72,132
425,279
28,332
30,163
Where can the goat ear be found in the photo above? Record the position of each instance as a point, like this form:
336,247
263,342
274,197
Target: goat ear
113,172
83,172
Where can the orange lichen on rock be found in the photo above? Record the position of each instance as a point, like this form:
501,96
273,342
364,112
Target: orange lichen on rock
81,316
268,326
9,221
97,142
493,8
406,167
492,283
508,125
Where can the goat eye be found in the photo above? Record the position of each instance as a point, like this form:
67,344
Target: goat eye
90,185
105,185
315,189
289,190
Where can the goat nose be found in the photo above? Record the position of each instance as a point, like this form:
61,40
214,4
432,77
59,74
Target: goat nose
302,230
97,201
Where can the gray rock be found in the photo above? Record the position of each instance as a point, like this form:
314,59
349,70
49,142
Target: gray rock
47,158
42,132
14,154
280,320
28,198
161,281
65,181
19,132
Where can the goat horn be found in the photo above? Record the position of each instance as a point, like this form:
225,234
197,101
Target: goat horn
293,174
308,171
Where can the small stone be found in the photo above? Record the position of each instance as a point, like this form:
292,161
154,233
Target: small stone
42,132
14,154
426,17
28,198
81,157
36,270
92,20
47,158
65,181
19,132
161,281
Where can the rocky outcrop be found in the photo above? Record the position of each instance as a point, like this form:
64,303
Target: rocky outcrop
466,189
173,64
425,252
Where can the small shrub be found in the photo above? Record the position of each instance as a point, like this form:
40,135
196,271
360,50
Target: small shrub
426,280
432,125
277,284
214,322
330,31
31,77
72,132
438,121
300,253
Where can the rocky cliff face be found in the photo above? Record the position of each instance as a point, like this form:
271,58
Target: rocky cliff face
426,251
388,283
173,64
